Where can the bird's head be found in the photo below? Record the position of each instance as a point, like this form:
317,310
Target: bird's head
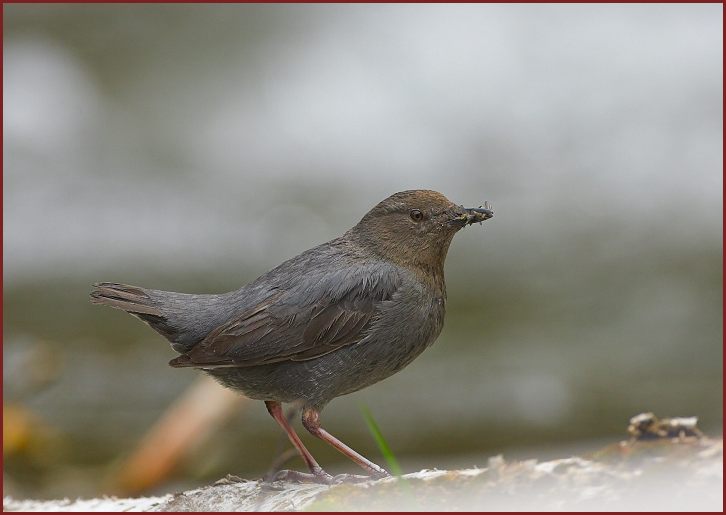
415,227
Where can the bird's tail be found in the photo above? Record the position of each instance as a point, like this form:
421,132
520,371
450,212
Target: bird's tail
131,299
148,305
182,318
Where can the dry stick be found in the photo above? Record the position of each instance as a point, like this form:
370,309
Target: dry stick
188,422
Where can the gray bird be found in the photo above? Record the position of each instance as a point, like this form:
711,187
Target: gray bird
330,321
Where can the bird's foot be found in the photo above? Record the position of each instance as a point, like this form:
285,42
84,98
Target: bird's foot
355,478
379,473
322,477
319,476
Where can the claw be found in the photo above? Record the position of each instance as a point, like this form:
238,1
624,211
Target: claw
320,477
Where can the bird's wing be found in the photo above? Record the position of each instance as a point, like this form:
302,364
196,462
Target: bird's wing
318,315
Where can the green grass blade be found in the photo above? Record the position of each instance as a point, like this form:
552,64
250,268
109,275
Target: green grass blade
385,449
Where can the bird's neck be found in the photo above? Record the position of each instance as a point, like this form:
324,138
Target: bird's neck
426,261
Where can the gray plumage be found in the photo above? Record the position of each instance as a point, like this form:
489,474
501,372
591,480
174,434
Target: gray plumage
332,320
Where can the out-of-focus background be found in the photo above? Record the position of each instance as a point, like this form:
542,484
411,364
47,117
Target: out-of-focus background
193,147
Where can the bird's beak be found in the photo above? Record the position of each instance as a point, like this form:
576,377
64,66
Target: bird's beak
471,215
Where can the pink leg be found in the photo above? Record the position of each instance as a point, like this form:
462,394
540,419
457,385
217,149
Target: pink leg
275,409
311,421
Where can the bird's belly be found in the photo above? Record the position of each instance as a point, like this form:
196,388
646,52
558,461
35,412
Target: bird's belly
394,341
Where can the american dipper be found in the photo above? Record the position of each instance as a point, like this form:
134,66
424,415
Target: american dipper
330,321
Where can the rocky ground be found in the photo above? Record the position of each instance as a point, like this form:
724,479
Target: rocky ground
648,472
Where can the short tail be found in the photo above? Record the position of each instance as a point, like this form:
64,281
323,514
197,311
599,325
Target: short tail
182,318
142,304
131,299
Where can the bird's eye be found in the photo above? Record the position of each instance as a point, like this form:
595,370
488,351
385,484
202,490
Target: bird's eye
416,215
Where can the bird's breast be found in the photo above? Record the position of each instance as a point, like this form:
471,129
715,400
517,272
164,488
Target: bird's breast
410,321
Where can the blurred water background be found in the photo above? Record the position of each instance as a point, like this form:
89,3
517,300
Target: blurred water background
193,147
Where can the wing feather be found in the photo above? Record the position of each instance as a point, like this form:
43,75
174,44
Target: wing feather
298,324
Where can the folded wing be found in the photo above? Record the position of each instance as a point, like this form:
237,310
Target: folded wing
318,315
